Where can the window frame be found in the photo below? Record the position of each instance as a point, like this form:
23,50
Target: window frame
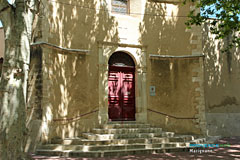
127,7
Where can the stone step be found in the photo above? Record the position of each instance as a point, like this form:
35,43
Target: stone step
86,148
198,141
125,125
80,141
92,136
118,139
126,130
110,153
167,134
182,138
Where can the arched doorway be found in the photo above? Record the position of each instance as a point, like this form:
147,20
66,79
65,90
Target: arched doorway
121,87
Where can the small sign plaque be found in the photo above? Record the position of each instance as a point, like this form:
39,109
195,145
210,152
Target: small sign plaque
152,91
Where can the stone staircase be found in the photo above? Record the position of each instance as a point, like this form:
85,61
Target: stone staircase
118,139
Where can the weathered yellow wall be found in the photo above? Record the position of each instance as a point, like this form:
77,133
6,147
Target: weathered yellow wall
175,94
160,26
81,24
163,30
74,78
222,89
72,89
70,81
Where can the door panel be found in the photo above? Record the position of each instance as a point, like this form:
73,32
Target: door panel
128,93
121,97
115,110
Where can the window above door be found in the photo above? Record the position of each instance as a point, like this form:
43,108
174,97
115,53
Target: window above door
121,6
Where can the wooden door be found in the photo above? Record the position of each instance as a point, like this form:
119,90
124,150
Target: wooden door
121,93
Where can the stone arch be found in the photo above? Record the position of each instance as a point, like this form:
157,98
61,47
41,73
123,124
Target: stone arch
138,55
121,56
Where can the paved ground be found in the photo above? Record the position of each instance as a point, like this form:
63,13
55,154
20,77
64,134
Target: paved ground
230,150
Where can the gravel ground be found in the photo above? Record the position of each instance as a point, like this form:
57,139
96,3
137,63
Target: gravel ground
229,149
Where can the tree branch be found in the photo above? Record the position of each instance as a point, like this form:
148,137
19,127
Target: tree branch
5,11
4,5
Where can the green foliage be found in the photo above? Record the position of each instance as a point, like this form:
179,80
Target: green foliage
223,17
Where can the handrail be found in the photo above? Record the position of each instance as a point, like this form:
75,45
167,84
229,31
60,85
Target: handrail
74,118
59,47
171,56
171,115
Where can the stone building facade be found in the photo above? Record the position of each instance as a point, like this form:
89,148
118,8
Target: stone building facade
221,85
98,61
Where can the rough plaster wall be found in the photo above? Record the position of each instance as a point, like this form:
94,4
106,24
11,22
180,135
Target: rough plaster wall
34,98
72,92
70,82
136,7
163,29
222,89
172,38
82,28
35,81
175,94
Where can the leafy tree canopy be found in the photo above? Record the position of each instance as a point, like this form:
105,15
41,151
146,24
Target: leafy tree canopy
223,17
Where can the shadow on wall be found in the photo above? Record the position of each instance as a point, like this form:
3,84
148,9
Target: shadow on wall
175,94
163,31
73,78
34,99
222,90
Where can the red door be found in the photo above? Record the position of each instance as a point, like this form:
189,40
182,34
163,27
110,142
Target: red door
121,93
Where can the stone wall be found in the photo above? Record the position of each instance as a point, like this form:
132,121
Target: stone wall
163,29
70,80
35,81
179,81
34,99
222,89
177,85
74,84
70,88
